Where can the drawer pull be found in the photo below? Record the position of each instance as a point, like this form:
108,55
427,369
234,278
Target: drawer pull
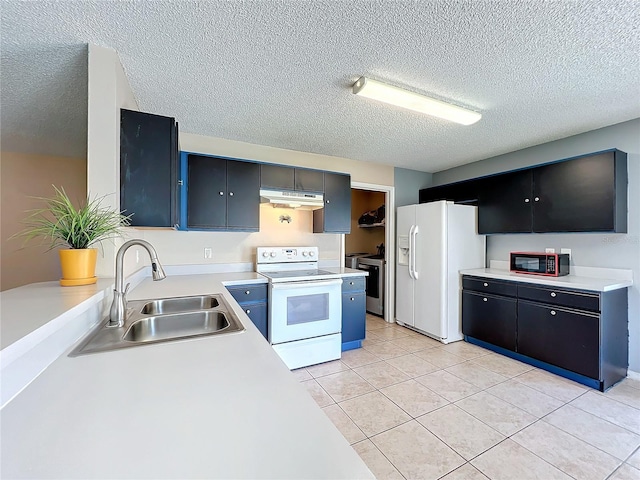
247,292
221,193
553,312
553,294
350,283
231,194
248,311
352,299
485,284
485,299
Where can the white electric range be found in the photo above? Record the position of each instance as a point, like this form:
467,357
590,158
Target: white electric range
305,305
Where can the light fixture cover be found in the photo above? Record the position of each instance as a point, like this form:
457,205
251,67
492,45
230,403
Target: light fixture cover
413,101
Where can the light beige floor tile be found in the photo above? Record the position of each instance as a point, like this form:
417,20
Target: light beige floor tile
465,350
611,410
373,337
595,431
341,420
374,413
465,472
416,452
552,385
476,374
321,397
625,472
632,382
358,357
344,385
566,452
381,374
530,400
503,365
376,461
385,350
370,341
374,327
412,365
498,414
327,368
468,436
624,393
510,461
448,386
414,398
392,333
301,374
439,357
415,344
635,459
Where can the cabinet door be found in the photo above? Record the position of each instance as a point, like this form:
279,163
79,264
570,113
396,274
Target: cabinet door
353,316
207,192
335,217
309,180
243,195
504,203
565,338
257,312
277,177
148,168
490,319
575,196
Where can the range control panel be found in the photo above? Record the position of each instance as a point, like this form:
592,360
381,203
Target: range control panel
286,254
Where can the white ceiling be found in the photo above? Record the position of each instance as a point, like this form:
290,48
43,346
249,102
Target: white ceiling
279,72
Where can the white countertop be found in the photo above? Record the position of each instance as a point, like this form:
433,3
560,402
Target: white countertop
346,272
569,281
212,407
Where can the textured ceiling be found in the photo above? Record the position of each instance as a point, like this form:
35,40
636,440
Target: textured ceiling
279,72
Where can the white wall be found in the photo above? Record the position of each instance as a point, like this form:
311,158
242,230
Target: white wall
594,250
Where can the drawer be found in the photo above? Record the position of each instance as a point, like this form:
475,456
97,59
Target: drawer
256,292
258,314
565,298
353,284
488,285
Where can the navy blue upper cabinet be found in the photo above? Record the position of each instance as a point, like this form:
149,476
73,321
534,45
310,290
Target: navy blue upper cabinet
149,168
222,194
335,217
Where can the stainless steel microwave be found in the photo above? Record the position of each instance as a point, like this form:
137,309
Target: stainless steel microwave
549,264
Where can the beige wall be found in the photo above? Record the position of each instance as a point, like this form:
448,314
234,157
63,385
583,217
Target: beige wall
24,176
364,239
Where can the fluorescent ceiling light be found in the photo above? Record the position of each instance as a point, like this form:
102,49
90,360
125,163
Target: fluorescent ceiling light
413,101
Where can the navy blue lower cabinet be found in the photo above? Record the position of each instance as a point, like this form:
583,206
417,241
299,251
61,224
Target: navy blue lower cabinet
354,314
253,299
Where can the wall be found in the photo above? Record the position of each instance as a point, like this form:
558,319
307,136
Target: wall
408,184
364,239
594,250
25,176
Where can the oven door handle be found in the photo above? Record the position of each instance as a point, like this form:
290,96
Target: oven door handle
305,284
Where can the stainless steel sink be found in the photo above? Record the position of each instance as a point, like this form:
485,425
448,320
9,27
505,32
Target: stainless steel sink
181,304
177,325
163,320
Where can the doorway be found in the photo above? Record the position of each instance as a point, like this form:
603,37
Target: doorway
372,232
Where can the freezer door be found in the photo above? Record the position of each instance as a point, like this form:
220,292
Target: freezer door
404,283
430,266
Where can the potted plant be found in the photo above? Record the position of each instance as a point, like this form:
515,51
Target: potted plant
77,229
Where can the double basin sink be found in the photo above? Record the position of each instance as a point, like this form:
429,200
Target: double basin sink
163,320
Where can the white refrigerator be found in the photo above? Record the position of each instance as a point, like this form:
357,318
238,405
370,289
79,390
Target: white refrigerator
434,241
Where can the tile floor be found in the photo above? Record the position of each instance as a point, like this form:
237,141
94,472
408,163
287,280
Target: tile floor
416,409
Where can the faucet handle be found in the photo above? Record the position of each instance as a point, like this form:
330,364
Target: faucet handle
126,290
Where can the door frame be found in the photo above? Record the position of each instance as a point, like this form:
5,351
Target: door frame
389,241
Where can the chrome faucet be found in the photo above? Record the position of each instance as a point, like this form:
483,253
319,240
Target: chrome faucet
118,311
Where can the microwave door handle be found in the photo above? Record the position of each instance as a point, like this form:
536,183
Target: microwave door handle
415,234
411,252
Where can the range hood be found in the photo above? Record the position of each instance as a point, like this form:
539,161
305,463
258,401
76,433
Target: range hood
288,199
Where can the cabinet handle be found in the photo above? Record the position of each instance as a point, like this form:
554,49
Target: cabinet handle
485,284
231,194
247,292
485,299
221,193
526,200
350,283
553,294
352,299
537,199
328,201
553,312
248,311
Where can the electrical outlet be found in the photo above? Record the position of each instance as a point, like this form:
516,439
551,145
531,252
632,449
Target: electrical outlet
549,250
566,250
208,253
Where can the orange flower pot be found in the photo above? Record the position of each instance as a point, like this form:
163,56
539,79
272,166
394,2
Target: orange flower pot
78,266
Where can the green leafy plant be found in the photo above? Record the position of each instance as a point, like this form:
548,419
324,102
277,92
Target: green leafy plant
61,224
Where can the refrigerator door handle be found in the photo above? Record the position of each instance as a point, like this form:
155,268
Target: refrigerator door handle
411,252
413,266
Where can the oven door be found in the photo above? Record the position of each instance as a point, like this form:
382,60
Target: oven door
301,310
